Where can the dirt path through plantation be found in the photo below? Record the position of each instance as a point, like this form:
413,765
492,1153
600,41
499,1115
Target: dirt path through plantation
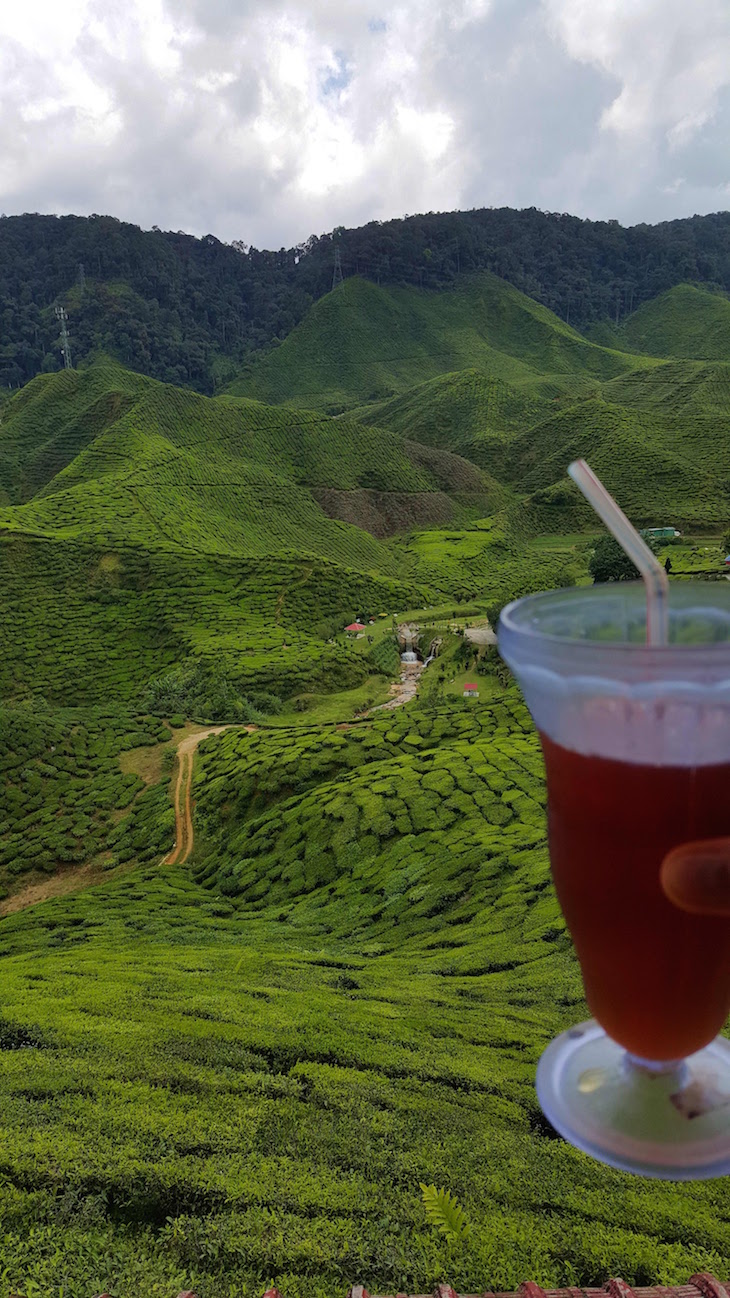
91,873
183,795
404,689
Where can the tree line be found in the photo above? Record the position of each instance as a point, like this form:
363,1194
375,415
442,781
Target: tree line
189,311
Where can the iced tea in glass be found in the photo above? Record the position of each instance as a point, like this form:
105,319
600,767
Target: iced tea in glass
636,740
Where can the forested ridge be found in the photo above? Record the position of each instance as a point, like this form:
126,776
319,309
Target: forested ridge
189,310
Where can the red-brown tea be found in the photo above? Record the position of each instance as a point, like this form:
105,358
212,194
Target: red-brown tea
656,978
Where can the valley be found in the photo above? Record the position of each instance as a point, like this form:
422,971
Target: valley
277,945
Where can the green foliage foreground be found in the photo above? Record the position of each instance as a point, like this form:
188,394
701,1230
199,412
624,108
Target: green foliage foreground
208,1092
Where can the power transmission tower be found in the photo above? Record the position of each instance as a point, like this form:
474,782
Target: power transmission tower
337,272
62,319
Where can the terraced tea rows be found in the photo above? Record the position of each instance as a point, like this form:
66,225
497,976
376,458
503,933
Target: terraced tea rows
85,625
401,839
686,321
220,1090
63,789
146,464
361,344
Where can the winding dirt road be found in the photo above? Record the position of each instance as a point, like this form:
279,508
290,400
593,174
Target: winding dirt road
183,795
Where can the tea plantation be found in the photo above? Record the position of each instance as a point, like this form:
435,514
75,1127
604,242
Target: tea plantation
685,321
210,1087
239,1071
65,798
362,343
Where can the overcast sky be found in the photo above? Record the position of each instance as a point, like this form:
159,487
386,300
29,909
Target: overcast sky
269,120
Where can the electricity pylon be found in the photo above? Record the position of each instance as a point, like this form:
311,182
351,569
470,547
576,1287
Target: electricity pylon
62,319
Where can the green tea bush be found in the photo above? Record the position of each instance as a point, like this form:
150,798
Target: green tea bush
385,656
63,786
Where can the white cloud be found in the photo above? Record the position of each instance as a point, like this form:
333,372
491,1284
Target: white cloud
270,119
669,57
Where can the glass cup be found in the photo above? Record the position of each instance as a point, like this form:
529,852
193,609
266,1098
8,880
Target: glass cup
636,741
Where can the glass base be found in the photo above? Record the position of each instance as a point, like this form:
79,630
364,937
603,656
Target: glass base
670,1120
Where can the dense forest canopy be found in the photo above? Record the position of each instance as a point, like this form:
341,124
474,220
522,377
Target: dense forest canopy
189,310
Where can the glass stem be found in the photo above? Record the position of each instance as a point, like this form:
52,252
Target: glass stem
654,1067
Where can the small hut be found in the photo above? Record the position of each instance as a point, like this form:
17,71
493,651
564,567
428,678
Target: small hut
471,691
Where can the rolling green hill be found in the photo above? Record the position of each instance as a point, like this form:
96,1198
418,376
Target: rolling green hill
687,322
361,344
153,526
483,372
105,456
465,412
688,389
122,495
112,480
87,624
659,439
53,419
177,529
659,467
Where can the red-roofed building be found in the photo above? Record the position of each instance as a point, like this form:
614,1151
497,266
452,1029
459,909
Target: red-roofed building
471,691
355,627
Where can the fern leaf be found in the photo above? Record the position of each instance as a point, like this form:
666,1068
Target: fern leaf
444,1211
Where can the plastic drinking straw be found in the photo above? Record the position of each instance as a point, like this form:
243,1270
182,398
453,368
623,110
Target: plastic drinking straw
656,582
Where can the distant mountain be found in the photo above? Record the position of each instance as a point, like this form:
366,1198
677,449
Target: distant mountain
189,311
486,373
534,396
662,468
144,525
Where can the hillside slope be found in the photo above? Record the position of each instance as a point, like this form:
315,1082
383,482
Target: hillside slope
156,528
143,463
688,322
362,343
242,534
662,469
46,425
659,440
467,413
238,1087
